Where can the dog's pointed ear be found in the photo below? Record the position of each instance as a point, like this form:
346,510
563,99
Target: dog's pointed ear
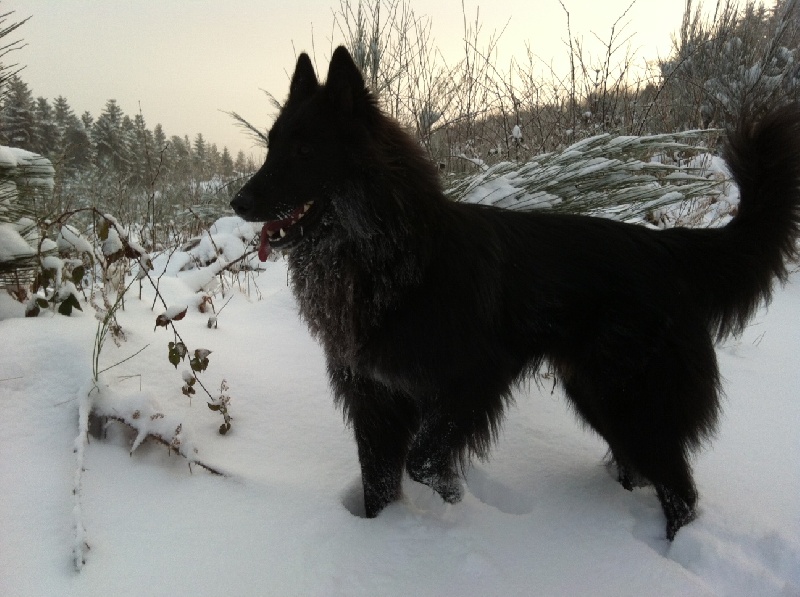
345,86
304,79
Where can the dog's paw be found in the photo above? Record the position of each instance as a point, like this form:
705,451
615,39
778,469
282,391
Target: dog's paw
452,492
626,476
449,486
676,510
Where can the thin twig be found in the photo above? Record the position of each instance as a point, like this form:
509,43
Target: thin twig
161,440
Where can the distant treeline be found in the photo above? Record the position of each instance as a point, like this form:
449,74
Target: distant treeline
115,162
111,142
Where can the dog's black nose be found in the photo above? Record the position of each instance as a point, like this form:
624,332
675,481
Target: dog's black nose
242,204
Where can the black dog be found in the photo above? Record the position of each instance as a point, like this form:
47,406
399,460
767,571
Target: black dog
430,311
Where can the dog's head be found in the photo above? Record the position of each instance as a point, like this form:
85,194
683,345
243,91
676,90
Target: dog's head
316,146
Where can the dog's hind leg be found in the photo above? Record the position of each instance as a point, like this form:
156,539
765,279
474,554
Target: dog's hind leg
671,408
589,406
654,404
384,421
645,445
660,456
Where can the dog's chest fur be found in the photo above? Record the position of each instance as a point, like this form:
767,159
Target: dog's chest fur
345,290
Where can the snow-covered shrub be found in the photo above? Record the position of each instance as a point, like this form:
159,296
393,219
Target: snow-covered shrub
744,61
24,176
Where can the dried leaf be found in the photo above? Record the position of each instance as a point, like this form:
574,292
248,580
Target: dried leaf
170,315
77,275
69,303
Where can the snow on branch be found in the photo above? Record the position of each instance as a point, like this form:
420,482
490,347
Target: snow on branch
142,413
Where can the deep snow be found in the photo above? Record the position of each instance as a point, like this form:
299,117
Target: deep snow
542,517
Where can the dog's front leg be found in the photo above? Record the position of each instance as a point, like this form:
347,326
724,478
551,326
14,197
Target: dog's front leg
434,454
384,421
381,467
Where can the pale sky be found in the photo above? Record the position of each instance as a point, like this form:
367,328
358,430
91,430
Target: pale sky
186,61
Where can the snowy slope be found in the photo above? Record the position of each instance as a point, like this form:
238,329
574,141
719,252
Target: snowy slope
543,517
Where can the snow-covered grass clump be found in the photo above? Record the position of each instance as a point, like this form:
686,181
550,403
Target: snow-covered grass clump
604,175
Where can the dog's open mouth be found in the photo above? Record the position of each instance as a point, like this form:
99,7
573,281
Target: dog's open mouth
282,233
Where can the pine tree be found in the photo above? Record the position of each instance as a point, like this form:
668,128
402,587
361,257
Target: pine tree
240,166
46,134
63,114
226,163
161,151
78,150
180,155
213,160
74,147
86,157
159,139
18,120
200,155
64,118
111,135
144,158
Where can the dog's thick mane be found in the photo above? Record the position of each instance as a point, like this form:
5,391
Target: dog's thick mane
347,275
375,241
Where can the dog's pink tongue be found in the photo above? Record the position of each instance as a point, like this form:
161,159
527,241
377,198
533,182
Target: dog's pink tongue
263,248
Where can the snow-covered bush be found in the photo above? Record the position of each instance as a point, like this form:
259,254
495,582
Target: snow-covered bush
24,176
744,61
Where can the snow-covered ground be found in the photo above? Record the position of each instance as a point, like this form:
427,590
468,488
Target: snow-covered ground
542,517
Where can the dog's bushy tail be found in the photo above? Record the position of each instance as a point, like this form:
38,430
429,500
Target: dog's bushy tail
764,159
